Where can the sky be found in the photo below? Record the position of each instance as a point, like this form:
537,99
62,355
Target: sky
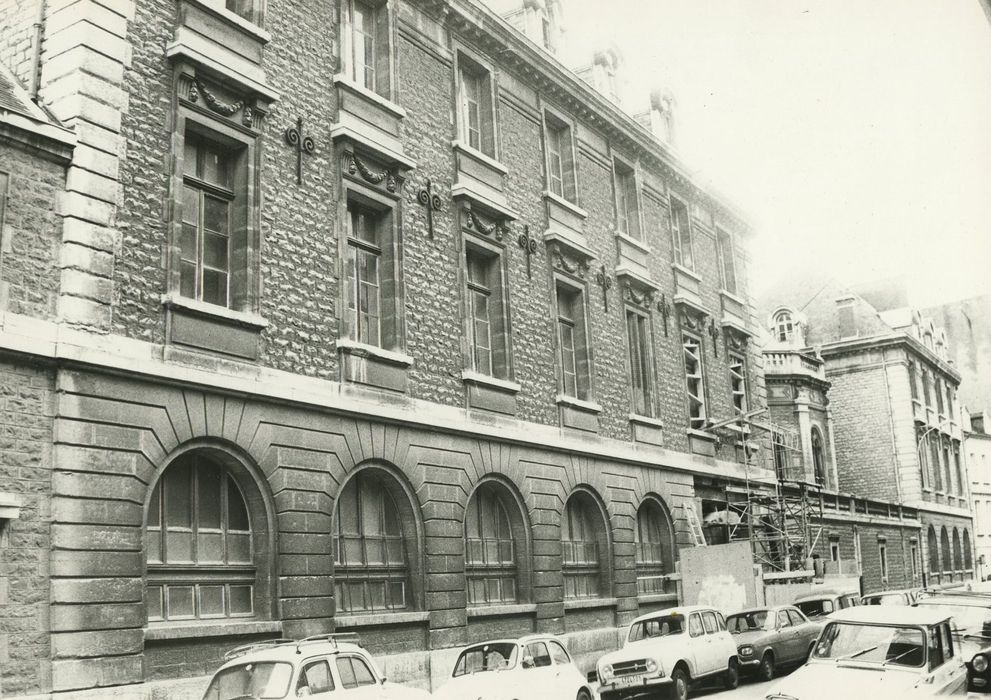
854,134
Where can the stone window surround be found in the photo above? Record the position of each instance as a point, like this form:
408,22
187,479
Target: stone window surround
730,239
383,91
677,252
650,381
466,58
666,565
555,119
595,510
578,288
736,356
703,394
498,272
623,167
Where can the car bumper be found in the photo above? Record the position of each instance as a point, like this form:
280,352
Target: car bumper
648,687
748,664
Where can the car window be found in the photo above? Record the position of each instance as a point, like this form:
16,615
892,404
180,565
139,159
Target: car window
538,651
315,678
709,620
816,607
748,621
657,627
783,620
263,679
796,617
486,657
947,641
695,625
722,621
878,644
935,649
354,672
558,653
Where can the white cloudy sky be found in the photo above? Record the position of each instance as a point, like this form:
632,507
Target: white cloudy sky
856,133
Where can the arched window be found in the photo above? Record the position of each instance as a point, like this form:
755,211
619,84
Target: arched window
933,550
654,547
957,551
944,543
491,562
968,562
784,327
584,546
818,457
370,546
199,544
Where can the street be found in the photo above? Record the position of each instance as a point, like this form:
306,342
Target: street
748,690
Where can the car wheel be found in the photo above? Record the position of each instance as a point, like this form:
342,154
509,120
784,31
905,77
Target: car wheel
766,670
679,685
583,694
731,679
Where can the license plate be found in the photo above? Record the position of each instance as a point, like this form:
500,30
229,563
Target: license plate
636,679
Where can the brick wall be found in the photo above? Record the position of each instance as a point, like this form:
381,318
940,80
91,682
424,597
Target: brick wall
872,532
16,40
32,232
27,400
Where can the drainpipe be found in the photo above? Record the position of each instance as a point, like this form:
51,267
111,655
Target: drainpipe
891,432
38,26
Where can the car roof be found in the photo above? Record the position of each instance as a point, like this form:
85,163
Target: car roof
974,600
525,639
287,652
829,593
775,608
889,615
684,610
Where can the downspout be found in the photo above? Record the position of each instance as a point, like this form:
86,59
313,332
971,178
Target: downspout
38,27
891,432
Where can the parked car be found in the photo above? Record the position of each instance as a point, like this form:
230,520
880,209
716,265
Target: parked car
820,603
771,638
666,651
879,652
324,665
535,667
972,630
902,597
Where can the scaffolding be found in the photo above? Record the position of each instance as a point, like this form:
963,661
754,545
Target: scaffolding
781,517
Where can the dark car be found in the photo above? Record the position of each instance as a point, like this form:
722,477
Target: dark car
821,603
902,597
971,614
769,638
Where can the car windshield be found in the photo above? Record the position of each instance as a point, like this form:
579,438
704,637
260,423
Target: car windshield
486,657
814,608
890,599
265,679
657,627
748,622
902,646
969,619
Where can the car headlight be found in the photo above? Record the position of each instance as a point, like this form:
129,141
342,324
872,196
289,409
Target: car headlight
651,666
746,650
979,663
606,673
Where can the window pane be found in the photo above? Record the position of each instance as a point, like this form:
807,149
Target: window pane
177,484
210,547
215,214
238,549
179,546
241,600
187,280
215,251
346,673
190,206
180,602
215,287
153,596
154,545
214,167
237,513
211,601
208,482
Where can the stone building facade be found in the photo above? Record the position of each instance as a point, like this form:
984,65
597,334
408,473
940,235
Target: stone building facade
893,397
977,447
362,316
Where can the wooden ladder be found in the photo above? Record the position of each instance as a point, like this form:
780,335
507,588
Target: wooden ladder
698,538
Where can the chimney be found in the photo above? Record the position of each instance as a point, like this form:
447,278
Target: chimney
846,317
540,20
659,119
603,73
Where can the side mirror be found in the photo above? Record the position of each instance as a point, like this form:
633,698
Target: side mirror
383,680
527,662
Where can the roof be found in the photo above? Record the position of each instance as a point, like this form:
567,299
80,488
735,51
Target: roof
19,111
287,651
830,593
680,610
765,608
890,615
525,639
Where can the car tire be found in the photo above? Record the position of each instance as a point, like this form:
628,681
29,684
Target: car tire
679,685
766,669
584,694
731,678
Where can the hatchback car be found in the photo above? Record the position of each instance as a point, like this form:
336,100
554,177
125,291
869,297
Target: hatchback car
322,666
771,638
535,667
972,629
879,652
902,597
820,603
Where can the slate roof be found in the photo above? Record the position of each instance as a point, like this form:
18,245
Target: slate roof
17,109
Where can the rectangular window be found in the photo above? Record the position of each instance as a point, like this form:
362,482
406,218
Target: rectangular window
958,468
627,206
681,234
936,464
487,327
4,184
923,452
834,549
365,39
695,380
572,342
477,109
641,375
939,396
925,388
727,260
913,379
915,559
738,381
363,263
561,175
949,397
882,550
207,200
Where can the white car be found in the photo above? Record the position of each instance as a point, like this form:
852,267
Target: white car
666,651
535,667
327,666
880,652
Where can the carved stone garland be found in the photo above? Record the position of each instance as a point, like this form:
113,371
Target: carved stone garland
637,295
572,264
355,165
225,109
473,222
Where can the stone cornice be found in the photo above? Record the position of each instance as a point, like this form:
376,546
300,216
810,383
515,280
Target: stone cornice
46,140
894,339
483,28
796,379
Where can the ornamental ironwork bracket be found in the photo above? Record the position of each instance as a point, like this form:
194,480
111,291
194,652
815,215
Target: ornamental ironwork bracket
432,202
604,281
665,310
529,246
714,334
302,144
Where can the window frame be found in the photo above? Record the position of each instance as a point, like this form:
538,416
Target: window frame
626,198
499,323
738,381
681,235
488,571
818,448
644,351
383,51
583,509
580,351
470,64
662,551
784,325
690,338
727,241
554,123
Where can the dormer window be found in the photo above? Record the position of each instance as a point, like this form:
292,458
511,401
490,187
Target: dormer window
784,326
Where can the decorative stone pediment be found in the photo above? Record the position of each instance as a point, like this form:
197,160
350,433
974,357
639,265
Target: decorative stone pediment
239,108
484,223
691,318
371,171
637,289
735,338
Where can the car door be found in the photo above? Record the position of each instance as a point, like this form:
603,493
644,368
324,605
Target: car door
697,645
538,674
315,681
356,679
567,679
787,638
947,672
807,631
716,658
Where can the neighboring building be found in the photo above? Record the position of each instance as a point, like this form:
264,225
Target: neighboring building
967,324
360,316
896,417
977,447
